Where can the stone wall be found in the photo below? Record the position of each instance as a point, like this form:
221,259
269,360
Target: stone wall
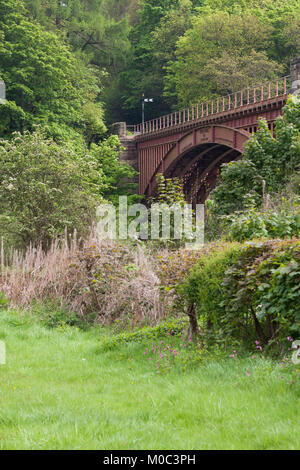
129,155
295,76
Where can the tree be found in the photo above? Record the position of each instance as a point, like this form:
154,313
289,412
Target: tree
229,72
291,33
153,40
47,83
219,39
272,160
97,30
45,188
239,186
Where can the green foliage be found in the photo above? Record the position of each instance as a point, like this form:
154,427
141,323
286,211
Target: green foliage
225,51
3,301
10,114
96,29
53,315
183,52
203,286
169,191
239,187
248,292
265,284
44,189
47,83
175,51
280,297
168,202
270,224
117,175
162,330
276,159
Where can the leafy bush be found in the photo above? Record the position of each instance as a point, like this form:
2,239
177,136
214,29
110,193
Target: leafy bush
118,177
53,315
204,284
169,197
271,224
240,186
249,292
262,290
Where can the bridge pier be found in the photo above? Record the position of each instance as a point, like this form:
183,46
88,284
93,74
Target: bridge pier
129,155
295,76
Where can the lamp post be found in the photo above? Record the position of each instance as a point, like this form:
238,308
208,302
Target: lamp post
145,100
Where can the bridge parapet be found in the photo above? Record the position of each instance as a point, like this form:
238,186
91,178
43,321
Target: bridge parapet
239,101
295,76
129,155
120,129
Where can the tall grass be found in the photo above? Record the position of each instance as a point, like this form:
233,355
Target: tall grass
60,391
110,279
36,274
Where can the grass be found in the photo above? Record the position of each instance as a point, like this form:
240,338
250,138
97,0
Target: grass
58,390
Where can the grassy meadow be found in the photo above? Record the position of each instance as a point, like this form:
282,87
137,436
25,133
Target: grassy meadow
60,390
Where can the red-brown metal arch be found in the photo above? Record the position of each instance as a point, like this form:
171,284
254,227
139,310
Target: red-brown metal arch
208,146
206,179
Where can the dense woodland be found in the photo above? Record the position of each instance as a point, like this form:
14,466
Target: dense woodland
105,54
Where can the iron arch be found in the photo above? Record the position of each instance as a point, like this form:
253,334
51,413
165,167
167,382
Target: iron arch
196,159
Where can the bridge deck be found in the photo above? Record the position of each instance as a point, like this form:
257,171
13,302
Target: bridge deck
221,109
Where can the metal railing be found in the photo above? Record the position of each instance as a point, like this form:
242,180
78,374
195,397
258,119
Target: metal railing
231,102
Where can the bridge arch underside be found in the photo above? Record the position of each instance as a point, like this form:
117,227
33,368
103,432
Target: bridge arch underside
199,169
197,159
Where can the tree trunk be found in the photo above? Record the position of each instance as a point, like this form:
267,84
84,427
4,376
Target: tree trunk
258,328
193,323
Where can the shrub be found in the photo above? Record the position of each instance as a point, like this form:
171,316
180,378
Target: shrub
204,284
249,292
239,187
270,224
3,300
